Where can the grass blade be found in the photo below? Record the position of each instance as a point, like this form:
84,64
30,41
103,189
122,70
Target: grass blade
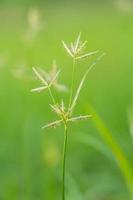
118,153
82,82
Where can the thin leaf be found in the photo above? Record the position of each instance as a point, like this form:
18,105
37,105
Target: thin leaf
119,155
82,82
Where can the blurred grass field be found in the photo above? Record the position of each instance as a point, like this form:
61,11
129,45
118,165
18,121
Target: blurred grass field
30,158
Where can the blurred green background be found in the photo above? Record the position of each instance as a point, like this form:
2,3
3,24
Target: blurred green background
30,158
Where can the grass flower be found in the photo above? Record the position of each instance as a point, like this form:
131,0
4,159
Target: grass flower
65,114
65,117
75,49
48,79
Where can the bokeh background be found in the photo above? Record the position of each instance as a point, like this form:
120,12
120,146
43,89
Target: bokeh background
30,158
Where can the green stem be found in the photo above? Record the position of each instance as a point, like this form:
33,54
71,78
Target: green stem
72,83
51,95
64,163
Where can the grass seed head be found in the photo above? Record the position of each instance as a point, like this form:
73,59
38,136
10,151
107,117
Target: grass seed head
48,79
51,79
75,48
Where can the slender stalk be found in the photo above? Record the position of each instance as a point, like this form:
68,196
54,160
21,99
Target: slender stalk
64,162
51,95
56,97
72,83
